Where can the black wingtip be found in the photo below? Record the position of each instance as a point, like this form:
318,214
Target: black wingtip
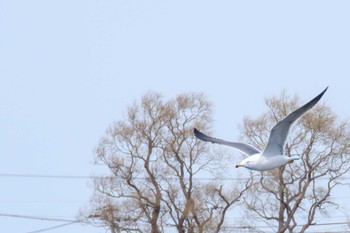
200,135
317,98
324,90
196,132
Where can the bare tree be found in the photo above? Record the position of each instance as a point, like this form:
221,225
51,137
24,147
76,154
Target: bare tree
155,160
305,187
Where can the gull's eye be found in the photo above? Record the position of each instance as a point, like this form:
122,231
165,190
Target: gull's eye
247,161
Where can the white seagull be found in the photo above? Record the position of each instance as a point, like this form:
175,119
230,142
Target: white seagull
273,154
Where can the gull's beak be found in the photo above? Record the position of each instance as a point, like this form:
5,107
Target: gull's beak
239,165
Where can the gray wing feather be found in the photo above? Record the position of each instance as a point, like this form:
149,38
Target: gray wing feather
279,132
242,147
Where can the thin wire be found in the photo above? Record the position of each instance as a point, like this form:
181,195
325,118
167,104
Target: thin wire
38,218
332,223
80,221
13,175
262,227
69,222
46,176
54,227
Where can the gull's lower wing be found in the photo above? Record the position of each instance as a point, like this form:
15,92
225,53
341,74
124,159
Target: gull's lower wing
279,132
242,147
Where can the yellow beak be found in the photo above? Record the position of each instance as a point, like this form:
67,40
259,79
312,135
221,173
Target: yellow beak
239,165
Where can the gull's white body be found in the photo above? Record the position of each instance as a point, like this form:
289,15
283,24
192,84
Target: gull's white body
273,154
259,162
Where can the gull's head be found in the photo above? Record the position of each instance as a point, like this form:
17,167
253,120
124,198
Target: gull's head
247,163
252,162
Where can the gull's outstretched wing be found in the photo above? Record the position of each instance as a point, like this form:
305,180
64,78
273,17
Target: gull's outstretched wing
242,147
279,132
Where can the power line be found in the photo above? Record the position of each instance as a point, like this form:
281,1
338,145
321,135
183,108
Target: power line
74,221
47,176
38,218
81,221
264,227
15,175
68,222
54,227
12,175
332,223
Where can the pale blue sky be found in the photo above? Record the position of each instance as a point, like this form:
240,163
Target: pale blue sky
69,68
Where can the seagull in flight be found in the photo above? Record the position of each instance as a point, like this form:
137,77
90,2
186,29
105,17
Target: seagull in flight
273,154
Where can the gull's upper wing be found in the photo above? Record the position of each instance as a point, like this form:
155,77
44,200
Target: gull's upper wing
242,147
279,132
